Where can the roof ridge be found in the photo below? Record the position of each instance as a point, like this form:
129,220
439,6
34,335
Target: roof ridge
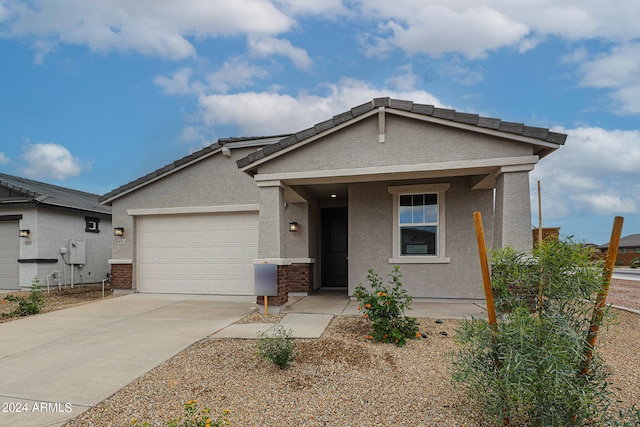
539,133
46,184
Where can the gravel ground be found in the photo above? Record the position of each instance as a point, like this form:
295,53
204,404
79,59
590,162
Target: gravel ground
625,293
341,379
58,300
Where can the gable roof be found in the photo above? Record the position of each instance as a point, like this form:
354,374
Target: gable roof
40,193
630,241
545,140
232,142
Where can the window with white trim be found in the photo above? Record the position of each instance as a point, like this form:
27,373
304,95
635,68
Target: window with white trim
419,223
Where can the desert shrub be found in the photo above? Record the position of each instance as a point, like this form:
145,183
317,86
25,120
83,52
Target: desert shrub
635,263
385,306
528,366
27,306
193,418
277,346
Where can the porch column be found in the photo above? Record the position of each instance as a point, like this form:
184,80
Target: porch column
272,240
273,227
512,216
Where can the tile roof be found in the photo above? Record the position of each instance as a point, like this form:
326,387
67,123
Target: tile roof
630,241
231,141
542,134
52,195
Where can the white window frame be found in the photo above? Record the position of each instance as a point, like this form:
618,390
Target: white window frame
401,190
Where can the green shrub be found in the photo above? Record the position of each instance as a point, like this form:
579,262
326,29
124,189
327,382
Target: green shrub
277,346
528,366
384,306
193,418
32,304
635,263
619,263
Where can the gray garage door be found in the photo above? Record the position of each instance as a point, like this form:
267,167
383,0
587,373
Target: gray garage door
9,254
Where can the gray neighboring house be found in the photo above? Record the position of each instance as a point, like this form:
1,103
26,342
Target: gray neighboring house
387,183
38,220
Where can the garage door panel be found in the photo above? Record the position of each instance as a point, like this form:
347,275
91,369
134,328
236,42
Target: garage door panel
208,254
9,254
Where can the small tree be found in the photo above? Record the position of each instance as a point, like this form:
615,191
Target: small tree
540,346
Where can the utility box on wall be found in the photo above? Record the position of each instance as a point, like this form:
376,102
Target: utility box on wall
77,252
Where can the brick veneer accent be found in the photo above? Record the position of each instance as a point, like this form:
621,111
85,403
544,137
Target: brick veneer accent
122,276
300,277
291,278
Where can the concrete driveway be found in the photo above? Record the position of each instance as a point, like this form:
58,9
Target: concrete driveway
56,365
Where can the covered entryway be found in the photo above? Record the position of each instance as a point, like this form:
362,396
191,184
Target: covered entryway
9,254
199,253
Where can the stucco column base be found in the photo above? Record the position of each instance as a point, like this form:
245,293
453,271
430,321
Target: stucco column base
273,309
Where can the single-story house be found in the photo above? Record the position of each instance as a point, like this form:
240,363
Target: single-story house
628,248
387,183
54,233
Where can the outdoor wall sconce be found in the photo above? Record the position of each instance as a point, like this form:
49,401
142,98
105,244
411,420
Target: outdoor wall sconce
293,227
118,231
25,233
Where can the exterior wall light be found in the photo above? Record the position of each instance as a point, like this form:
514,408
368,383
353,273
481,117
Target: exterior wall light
25,233
293,227
118,231
333,196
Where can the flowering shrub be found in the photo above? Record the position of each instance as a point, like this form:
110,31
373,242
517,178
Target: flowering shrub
193,418
384,306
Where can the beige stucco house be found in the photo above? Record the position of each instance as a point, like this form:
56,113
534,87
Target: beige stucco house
387,183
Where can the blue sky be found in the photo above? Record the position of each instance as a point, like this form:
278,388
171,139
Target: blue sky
96,93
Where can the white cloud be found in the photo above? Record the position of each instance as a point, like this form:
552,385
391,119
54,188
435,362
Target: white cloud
272,113
3,159
313,7
42,48
149,27
438,28
596,172
269,46
179,83
619,70
51,160
235,73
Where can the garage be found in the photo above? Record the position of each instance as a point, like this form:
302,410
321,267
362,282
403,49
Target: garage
9,254
197,253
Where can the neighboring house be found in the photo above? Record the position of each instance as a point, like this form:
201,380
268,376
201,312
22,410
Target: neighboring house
628,248
38,222
387,183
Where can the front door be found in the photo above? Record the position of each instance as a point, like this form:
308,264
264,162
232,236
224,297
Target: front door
334,247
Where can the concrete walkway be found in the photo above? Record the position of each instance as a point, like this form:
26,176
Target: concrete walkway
56,365
308,316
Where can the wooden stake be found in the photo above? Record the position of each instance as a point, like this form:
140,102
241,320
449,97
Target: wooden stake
266,305
540,286
484,265
488,292
598,309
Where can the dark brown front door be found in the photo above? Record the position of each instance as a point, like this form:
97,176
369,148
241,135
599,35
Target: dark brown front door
334,245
